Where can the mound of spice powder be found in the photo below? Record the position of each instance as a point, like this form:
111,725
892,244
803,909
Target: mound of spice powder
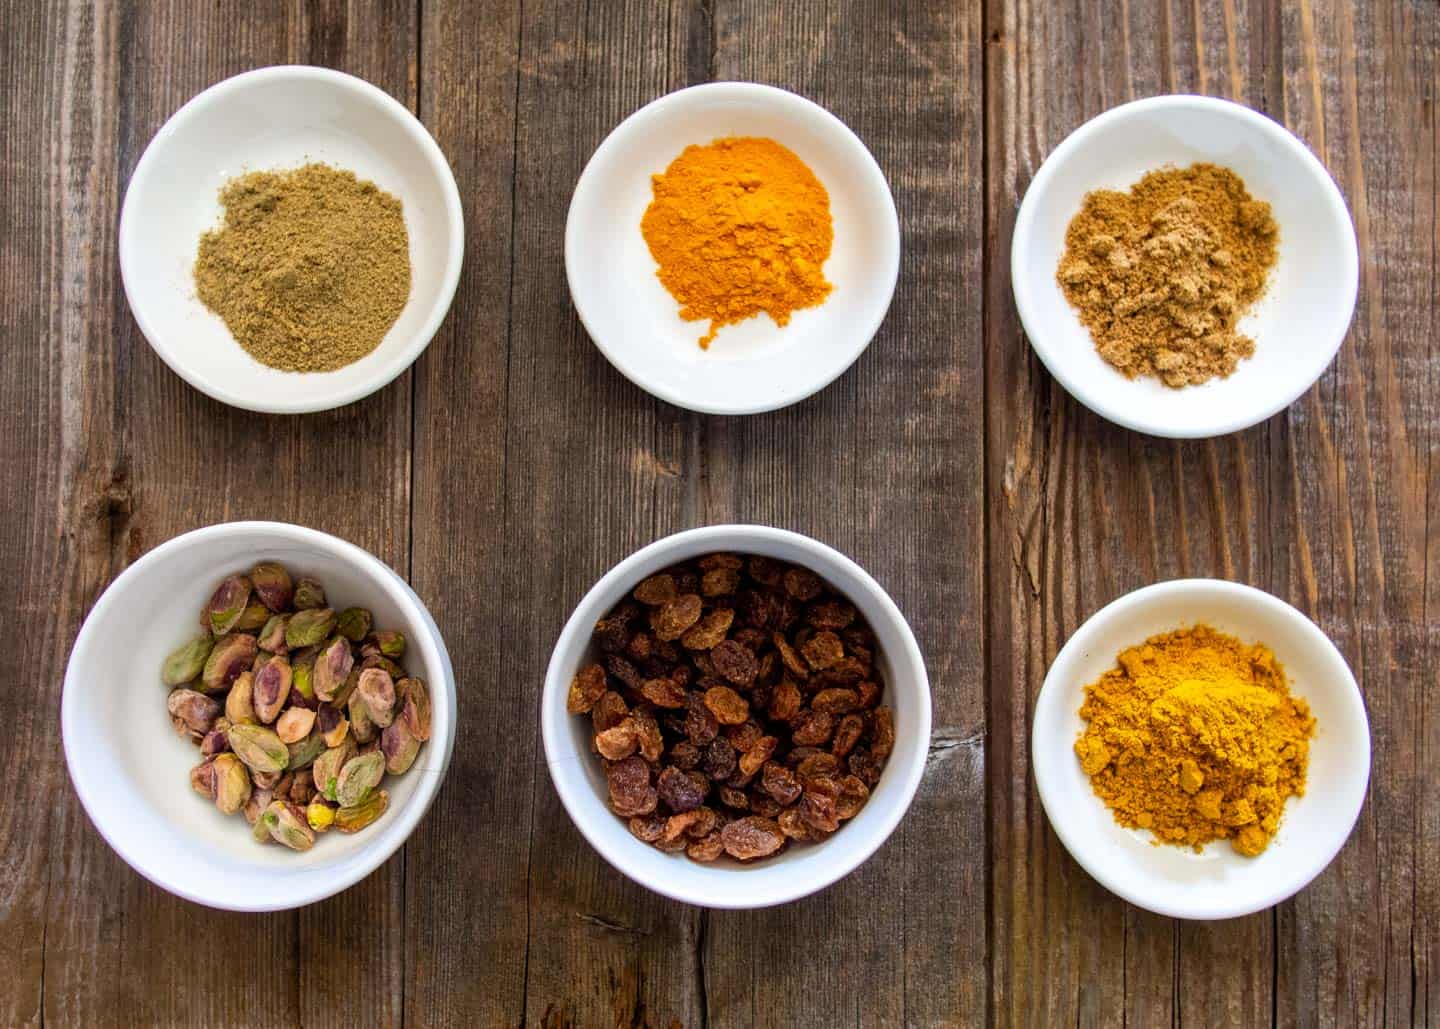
1161,274
310,268
739,227
1195,736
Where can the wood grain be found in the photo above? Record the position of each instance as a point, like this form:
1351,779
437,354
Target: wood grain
513,466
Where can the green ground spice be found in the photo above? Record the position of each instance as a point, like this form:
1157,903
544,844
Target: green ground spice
309,270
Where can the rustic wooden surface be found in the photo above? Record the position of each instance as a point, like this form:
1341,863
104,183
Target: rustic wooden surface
512,466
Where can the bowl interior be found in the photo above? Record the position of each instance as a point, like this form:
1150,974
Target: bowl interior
1297,325
754,365
275,119
801,869
1217,882
132,770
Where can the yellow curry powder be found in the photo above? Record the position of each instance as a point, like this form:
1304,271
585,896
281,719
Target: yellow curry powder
1195,737
739,227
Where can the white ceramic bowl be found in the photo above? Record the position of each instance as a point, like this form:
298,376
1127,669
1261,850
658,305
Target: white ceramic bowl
277,118
1218,882
1297,326
755,365
132,771
801,870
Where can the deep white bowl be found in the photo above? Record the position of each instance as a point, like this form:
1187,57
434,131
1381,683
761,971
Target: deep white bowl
132,771
755,365
803,869
277,118
1298,325
1218,882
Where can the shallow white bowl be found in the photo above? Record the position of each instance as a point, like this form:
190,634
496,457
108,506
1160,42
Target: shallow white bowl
268,119
755,365
801,870
1297,326
132,771
1218,882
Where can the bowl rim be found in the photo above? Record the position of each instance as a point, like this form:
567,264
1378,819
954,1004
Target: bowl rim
1020,262
583,808
407,818
1091,858
876,185
131,255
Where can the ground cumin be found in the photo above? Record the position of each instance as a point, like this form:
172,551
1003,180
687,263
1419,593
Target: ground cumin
1195,737
310,268
1161,274
739,227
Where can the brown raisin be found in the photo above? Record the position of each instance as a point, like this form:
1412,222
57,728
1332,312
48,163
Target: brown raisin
709,631
745,735
763,804
585,689
679,791
853,795
700,724
728,706
751,639
812,728
630,790
718,760
656,590
679,825
647,734
618,743
641,647
818,805
624,671
710,562
847,734
868,692
864,766
674,846
707,849
684,755
671,619
735,662
882,732
663,692
785,701
822,650
780,783
758,610
704,823
798,754
803,584
830,614
734,798
752,837
611,634
647,828
609,711
719,582
680,675
793,664
818,765
765,570
845,672
793,826
835,701
752,759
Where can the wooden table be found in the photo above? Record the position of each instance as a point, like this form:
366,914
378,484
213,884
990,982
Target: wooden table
512,466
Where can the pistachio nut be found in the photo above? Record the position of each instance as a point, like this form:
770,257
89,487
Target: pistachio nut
253,618
377,690
361,727
332,667
302,790
309,627
347,689
271,689
272,634
226,605
294,724
304,752
239,702
354,624
195,711
259,748
187,661
331,724
216,741
202,779
232,656
302,669
399,747
360,775
326,770
267,780
390,643
232,784
358,816
288,826
260,798
382,662
309,594
259,831
272,585
415,706
319,815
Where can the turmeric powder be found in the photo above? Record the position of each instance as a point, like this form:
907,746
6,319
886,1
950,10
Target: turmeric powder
1195,737
738,227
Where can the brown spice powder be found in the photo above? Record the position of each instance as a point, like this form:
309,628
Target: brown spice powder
309,270
1161,274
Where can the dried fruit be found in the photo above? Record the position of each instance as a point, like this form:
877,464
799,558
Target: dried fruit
728,707
663,692
630,789
585,689
658,589
751,837
679,791
670,620
187,661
